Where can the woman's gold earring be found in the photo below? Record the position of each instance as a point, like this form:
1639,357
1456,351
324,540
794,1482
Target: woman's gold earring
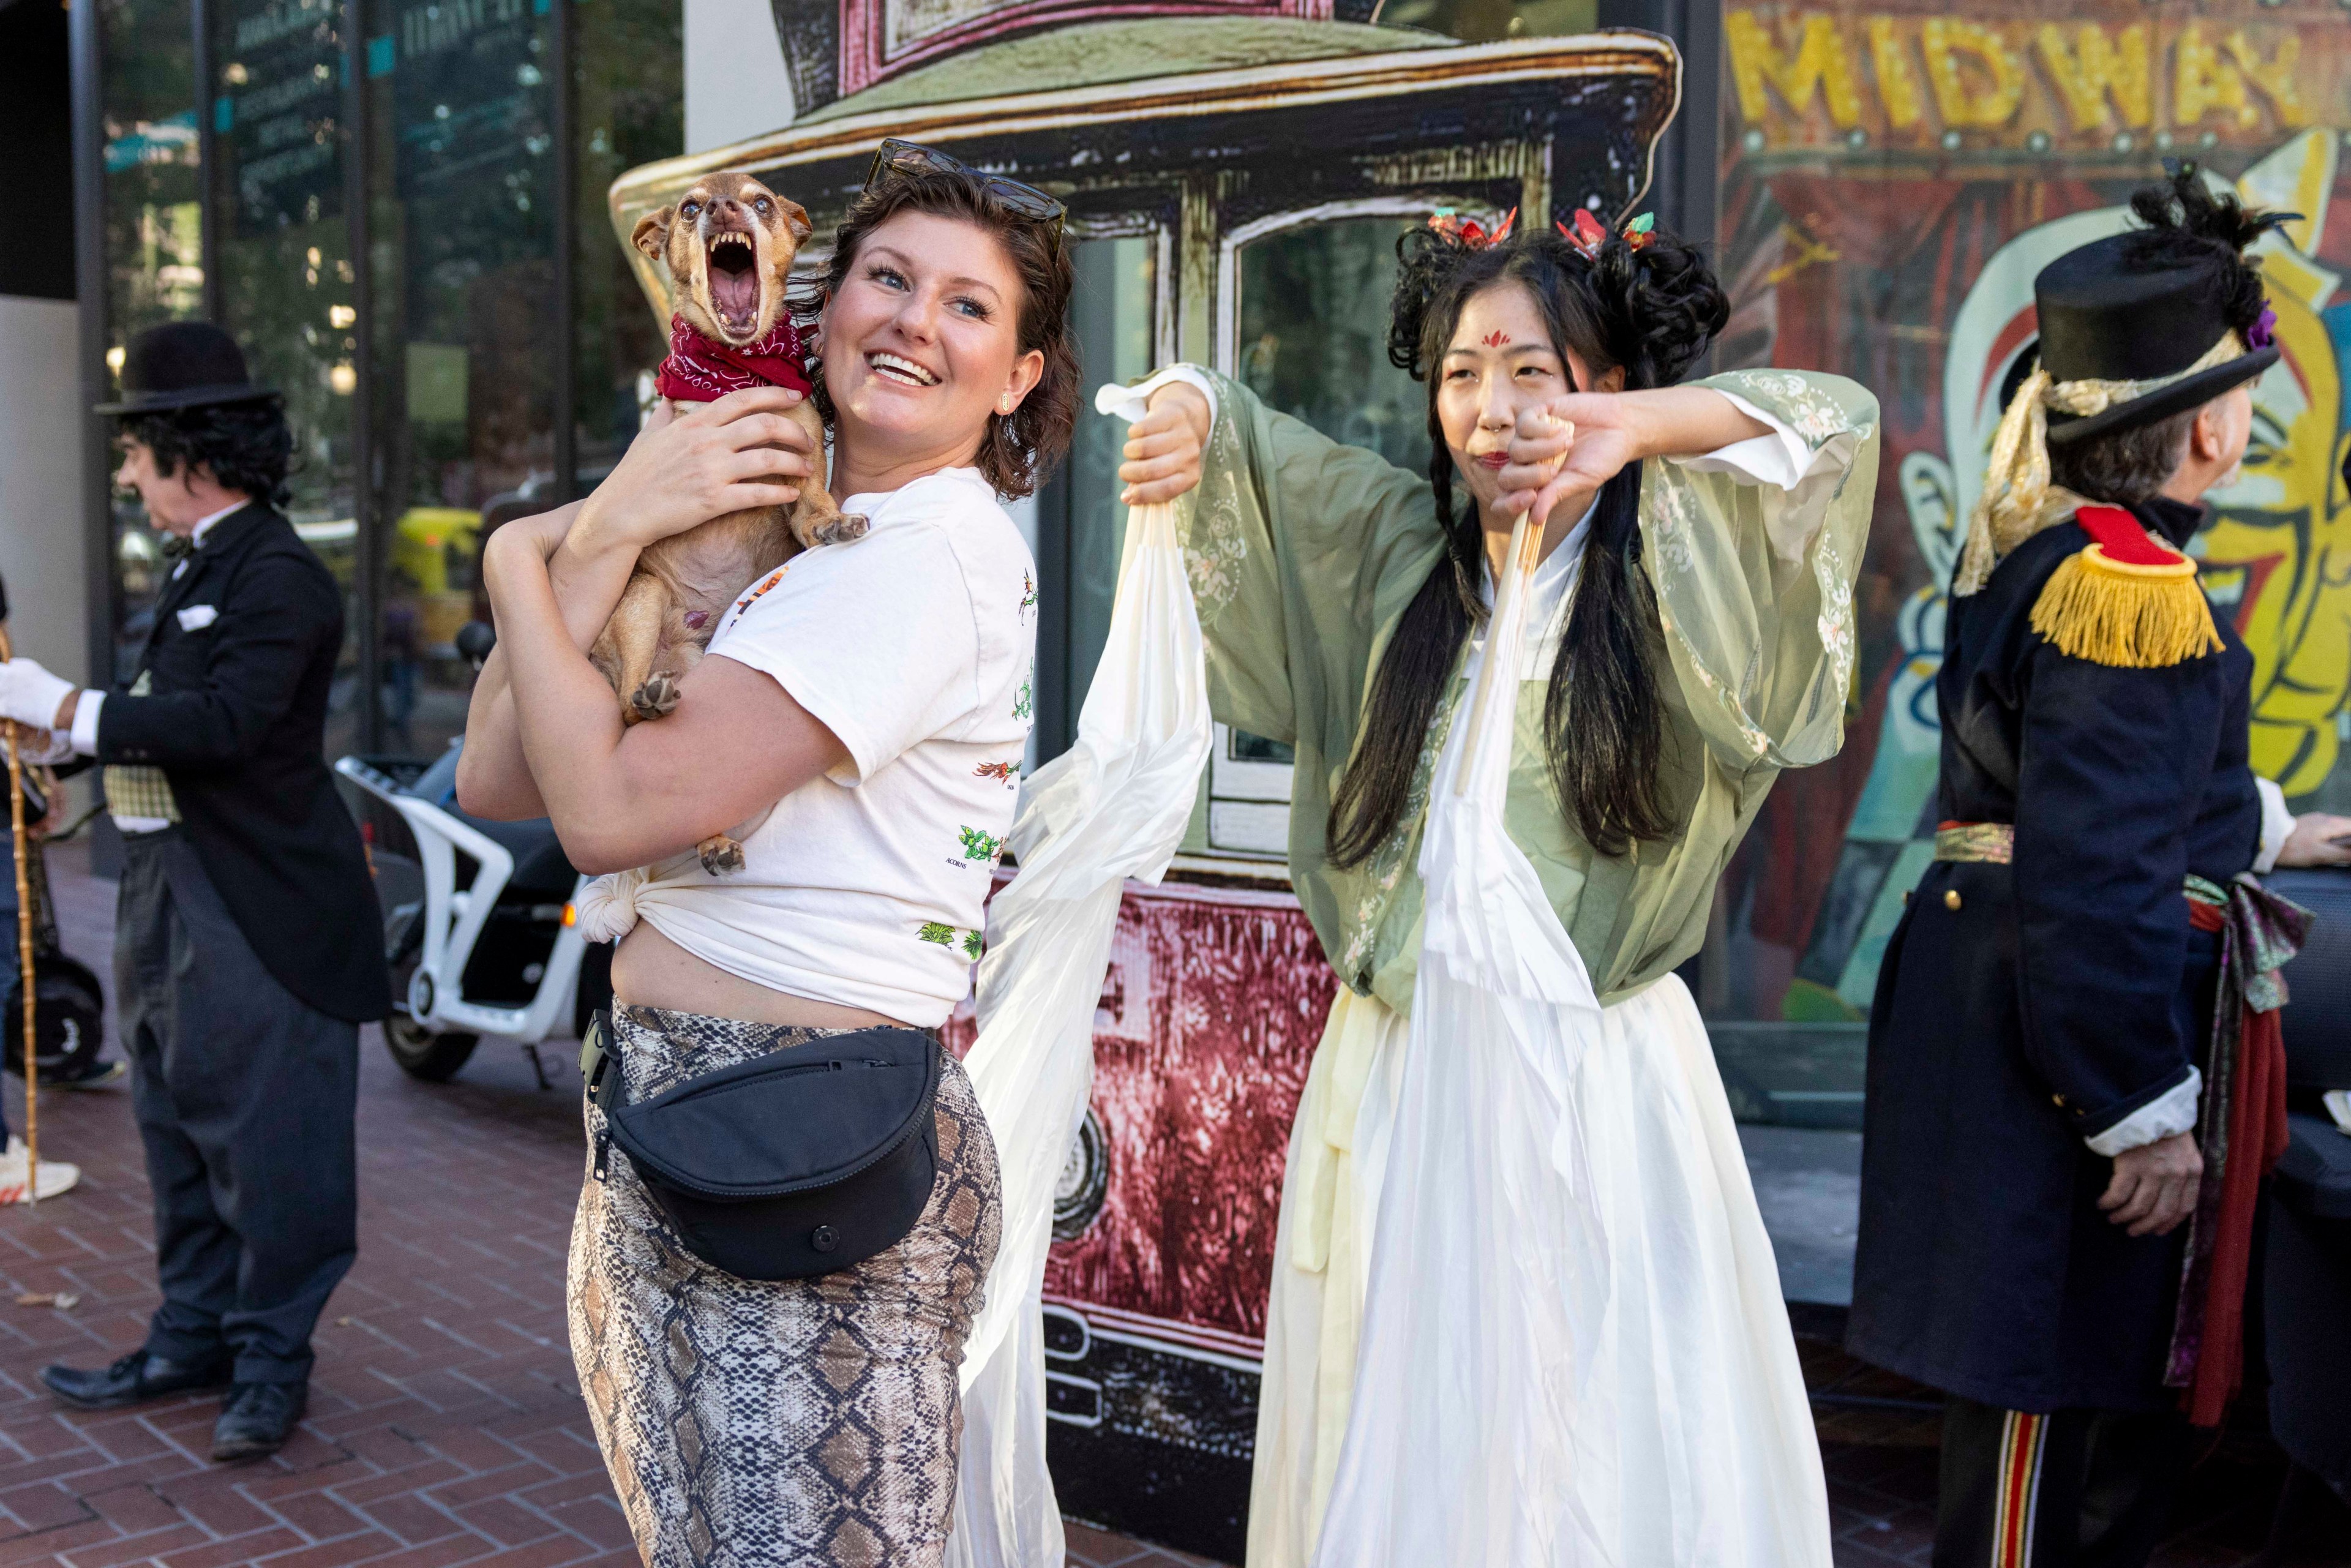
1003,406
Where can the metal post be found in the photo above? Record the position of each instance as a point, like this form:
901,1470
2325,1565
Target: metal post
98,585
564,129
368,550
207,78
1684,191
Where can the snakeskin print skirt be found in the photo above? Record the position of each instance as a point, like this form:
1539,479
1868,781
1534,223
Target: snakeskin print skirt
749,1423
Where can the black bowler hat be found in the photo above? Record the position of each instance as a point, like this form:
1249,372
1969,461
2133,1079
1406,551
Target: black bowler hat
184,364
2106,314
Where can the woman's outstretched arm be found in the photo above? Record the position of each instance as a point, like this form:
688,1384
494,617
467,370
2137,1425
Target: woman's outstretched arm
736,452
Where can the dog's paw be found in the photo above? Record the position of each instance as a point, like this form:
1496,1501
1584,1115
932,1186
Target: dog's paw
656,697
721,856
846,528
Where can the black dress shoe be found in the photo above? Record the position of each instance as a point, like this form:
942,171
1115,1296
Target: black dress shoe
257,1418
133,1380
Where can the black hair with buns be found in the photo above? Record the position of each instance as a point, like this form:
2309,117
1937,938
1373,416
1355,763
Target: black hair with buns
2191,224
1651,311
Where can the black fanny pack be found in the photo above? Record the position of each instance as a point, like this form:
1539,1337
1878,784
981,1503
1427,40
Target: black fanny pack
802,1162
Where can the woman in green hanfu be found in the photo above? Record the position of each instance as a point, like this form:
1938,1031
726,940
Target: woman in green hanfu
1690,634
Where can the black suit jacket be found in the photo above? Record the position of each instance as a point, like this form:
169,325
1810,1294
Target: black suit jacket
2022,1008
235,718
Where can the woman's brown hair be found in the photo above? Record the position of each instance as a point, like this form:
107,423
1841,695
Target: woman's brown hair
1019,448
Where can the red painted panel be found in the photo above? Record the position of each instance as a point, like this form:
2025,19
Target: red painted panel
1210,1011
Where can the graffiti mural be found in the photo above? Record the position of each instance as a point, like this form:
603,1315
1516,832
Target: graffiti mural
1891,181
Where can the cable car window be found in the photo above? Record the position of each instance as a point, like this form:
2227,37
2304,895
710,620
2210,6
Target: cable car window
1313,333
1112,310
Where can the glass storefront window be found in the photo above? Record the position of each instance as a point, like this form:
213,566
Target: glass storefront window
629,64
462,182
276,105
155,235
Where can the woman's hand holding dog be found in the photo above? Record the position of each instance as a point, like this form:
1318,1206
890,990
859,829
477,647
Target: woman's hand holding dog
730,456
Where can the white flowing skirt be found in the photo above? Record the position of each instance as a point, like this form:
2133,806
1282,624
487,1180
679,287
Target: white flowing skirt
1696,1443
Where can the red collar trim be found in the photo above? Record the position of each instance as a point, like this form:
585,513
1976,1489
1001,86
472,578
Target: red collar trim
2124,537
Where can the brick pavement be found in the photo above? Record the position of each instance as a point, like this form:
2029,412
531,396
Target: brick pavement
445,1427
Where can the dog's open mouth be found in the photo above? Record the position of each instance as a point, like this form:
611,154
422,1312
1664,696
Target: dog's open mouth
734,274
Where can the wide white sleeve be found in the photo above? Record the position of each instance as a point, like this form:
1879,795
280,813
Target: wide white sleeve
85,724
876,638
1131,403
2277,824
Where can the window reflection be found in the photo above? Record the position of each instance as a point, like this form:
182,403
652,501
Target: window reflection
1114,311
1312,339
463,160
154,238
276,109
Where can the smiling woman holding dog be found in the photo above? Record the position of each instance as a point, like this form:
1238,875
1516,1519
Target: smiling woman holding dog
780,1375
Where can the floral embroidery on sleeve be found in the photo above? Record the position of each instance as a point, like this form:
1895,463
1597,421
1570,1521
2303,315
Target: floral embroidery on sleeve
1214,544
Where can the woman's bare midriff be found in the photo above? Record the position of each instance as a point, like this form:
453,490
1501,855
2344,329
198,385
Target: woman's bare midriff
649,970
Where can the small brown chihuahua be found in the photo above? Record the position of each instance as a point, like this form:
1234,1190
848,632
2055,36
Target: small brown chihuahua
728,244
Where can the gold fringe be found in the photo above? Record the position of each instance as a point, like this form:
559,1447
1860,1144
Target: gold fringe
2130,616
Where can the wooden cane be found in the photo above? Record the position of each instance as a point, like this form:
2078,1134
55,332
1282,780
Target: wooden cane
22,851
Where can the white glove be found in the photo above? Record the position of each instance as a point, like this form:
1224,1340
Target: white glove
44,748
30,695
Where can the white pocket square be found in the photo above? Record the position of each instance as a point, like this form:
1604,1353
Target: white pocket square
196,617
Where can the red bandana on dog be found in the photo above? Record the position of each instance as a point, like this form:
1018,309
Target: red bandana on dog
701,370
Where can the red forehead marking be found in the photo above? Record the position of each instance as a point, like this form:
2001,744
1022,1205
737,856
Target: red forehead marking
1495,338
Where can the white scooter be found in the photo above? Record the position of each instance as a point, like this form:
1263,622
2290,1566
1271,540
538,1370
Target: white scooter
479,923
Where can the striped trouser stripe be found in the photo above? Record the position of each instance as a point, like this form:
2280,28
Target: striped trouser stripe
2022,1439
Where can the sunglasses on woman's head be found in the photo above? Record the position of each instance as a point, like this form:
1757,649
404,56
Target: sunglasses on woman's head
896,157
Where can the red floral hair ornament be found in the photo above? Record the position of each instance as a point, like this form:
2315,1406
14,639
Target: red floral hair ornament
1468,232
1587,233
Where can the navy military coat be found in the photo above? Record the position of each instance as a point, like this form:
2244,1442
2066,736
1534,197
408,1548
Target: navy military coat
2023,1007
242,652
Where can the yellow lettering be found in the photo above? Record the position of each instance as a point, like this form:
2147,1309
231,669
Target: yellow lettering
2274,78
2202,82
2097,66
1991,104
1897,87
1818,65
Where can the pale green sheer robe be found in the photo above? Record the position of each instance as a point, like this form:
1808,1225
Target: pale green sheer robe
1304,555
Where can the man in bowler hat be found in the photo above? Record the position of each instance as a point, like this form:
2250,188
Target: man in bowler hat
248,943
2075,1082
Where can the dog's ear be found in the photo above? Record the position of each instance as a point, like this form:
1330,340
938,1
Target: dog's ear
652,233
797,217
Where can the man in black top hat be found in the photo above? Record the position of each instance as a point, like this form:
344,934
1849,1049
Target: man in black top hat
248,942
2070,1072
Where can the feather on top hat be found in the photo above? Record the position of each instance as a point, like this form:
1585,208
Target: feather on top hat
184,364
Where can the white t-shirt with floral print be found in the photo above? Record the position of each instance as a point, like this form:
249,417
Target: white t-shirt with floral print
916,646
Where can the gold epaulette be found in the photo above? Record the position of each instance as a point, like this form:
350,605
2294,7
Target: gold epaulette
2125,601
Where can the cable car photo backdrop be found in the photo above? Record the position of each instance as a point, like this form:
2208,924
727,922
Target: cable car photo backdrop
1887,179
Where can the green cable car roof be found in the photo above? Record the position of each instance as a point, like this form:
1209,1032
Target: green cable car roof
1131,50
